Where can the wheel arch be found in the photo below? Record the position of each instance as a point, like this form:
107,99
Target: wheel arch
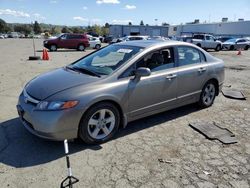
53,44
123,118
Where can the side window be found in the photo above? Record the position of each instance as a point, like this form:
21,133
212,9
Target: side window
242,40
160,60
201,37
70,37
210,38
188,56
63,37
138,38
156,61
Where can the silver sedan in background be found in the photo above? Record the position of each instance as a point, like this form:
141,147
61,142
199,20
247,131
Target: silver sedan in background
236,44
103,91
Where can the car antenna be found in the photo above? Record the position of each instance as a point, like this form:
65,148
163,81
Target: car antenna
70,180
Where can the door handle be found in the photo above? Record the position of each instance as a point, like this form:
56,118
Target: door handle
202,69
171,76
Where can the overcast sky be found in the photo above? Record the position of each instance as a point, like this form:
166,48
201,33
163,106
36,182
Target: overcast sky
85,12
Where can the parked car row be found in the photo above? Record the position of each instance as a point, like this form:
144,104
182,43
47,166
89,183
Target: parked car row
207,41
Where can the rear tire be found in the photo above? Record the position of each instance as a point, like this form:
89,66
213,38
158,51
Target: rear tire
208,94
99,124
199,45
246,48
231,47
81,47
218,48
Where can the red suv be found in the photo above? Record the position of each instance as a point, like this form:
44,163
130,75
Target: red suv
67,40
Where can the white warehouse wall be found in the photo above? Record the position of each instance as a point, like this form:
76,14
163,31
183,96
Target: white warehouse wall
240,28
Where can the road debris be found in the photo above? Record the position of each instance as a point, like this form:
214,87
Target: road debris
214,132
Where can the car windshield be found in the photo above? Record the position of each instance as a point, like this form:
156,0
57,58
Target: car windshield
231,40
107,60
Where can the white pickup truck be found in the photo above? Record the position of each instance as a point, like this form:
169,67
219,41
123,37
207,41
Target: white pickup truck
206,41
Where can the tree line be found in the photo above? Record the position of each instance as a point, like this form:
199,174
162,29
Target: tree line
37,28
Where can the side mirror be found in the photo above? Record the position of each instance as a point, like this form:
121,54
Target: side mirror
142,72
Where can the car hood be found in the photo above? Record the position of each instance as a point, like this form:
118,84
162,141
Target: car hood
51,39
55,81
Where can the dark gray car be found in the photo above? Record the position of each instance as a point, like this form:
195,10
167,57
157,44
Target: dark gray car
94,96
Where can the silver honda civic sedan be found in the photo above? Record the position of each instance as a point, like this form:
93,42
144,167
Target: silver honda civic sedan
103,91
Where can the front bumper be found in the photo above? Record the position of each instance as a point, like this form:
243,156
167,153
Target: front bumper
46,45
226,46
52,125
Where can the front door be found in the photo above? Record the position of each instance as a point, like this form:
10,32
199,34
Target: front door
64,41
149,95
210,42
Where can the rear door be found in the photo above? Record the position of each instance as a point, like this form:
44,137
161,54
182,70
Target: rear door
192,72
73,41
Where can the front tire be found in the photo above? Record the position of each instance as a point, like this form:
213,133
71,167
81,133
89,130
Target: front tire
53,48
207,95
98,46
246,48
99,124
231,47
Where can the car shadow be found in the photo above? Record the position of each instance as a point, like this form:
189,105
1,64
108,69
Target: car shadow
19,148
157,119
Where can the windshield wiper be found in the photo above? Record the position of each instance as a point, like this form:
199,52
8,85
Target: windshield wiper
83,70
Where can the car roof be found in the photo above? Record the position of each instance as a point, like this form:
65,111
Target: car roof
149,43
74,33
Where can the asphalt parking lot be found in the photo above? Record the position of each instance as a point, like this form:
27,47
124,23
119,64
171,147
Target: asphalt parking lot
132,158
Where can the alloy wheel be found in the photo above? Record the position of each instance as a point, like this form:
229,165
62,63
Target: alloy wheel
209,94
101,124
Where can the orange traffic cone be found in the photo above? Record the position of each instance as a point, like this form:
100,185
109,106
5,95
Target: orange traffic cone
45,54
239,52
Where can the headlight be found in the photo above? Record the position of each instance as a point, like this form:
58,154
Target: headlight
56,105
